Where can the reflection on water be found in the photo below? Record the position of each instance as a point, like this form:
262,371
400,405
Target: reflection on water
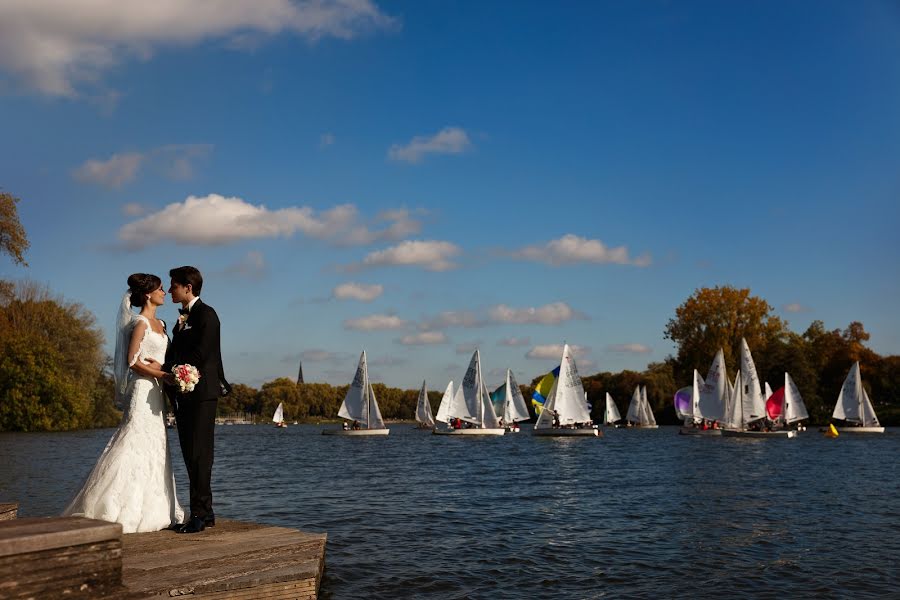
642,514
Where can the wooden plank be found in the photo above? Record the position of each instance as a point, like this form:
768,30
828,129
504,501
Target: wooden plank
84,571
8,511
20,536
233,560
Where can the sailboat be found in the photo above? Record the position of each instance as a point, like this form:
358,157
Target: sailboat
855,407
611,412
736,423
471,408
443,413
360,406
639,414
278,417
508,401
705,401
424,418
566,412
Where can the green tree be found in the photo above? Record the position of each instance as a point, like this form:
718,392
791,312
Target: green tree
52,363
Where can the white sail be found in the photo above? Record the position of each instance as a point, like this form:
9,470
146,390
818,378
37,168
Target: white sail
768,391
734,418
355,404
514,408
713,391
443,414
360,404
471,389
754,404
853,402
458,408
794,409
868,411
571,401
611,414
634,407
489,418
695,396
375,420
278,417
646,413
423,408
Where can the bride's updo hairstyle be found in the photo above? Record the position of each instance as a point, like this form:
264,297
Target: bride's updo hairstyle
141,284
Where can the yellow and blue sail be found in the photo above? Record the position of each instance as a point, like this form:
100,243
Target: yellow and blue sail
542,390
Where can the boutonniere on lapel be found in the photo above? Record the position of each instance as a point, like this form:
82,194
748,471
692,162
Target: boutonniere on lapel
182,320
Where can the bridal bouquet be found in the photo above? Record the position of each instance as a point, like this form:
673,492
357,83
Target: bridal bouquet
186,377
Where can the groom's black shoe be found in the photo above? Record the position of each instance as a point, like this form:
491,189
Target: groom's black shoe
209,520
195,525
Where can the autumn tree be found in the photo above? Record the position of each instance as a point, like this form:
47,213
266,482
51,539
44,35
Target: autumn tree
719,317
13,240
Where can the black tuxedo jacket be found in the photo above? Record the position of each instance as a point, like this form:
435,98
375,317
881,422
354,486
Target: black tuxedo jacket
197,343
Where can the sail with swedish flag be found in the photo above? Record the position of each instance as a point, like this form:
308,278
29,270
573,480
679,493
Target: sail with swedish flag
542,390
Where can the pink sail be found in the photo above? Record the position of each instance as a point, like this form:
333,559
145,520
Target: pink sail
775,404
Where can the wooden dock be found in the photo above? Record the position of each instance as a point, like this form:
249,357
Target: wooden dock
231,560
84,558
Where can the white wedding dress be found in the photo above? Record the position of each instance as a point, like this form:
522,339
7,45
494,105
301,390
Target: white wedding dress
132,482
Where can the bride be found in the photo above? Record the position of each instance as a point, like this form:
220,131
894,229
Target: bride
132,482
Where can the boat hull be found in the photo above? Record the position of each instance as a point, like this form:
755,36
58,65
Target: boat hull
563,432
474,431
355,432
791,433
642,427
703,432
860,429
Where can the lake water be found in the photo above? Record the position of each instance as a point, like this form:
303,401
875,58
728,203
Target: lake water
637,513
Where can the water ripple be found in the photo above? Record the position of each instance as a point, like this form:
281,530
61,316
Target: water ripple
637,514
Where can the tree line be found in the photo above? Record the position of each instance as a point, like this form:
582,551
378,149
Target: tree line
54,374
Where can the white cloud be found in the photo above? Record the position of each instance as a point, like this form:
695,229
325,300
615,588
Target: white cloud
373,322
468,347
630,348
554,351
317,355
113,172
549,314
133,209
423,338
571,249
430,255
57,48
449,140
357,291
252,266
796,307
452,318
514,341
215,220
175,161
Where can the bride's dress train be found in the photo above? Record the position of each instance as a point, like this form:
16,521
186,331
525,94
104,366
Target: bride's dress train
132,482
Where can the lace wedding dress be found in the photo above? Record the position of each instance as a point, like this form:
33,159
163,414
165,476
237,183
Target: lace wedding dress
132,482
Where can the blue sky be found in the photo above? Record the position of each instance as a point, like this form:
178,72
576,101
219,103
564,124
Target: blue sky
420,178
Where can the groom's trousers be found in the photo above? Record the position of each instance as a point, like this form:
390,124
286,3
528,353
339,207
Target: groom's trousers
196,422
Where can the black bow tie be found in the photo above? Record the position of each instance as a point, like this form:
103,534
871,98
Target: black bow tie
184,311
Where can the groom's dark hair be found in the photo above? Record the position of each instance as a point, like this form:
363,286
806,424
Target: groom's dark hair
188,275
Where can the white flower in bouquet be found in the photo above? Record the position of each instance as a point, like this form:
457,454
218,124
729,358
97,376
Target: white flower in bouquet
186,377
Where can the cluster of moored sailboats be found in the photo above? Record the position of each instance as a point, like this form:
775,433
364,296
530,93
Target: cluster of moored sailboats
714,406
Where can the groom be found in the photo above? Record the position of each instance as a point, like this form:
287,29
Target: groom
195,341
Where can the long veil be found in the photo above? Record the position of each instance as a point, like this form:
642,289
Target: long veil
124,321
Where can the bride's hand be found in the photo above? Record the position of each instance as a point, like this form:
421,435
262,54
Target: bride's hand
153,364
